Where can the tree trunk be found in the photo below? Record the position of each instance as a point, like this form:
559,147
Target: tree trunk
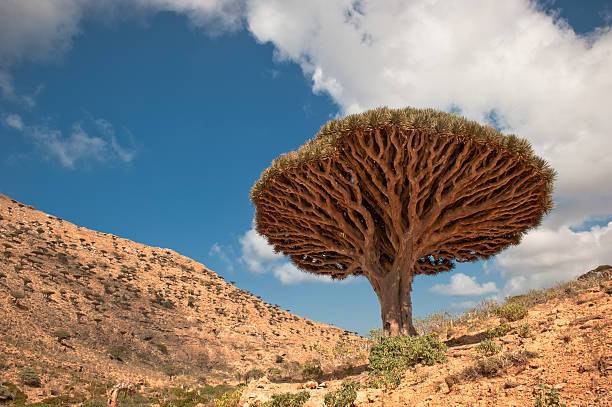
394,295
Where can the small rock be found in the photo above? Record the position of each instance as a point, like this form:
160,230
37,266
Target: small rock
322,385
510,384
311,384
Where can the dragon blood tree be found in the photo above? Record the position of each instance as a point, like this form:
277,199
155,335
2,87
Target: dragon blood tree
391,194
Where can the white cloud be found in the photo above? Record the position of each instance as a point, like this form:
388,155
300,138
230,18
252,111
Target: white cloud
548,256
287,273
14,121
79,146
259,257
257,254
462,284
542,80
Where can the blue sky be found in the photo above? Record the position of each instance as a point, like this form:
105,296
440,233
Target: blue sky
153,128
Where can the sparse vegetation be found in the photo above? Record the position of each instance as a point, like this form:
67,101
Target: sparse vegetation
512,311
288,400
344,396
311,370
253,374
546,396
393,355
29,377
524,331
118,353
229,398
490,366
10,392
498,331
61,335
487,348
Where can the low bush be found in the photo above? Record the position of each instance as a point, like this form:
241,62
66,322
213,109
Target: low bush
311,370
6,394
253,374
546,396
490,367
11,393
498,331
393,355
288,399
230,398
342,397
487,347
119,353
524,331
61,335
512,311
29,377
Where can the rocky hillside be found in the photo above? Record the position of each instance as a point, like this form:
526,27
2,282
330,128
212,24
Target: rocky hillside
547,348
79,305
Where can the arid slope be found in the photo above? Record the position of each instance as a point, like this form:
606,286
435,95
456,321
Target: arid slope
79,305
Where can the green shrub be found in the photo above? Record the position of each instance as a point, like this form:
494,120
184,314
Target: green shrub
512,311
254,374
29,377
10,392
498,331
6,394
162,348
393,355
288,399
342,397
523,331
230,398
274,374
170,370
119,353
490,367
487,347
62,335
311,370
546,396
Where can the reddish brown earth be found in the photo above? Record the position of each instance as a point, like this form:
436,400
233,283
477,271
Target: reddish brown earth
570,336
136,312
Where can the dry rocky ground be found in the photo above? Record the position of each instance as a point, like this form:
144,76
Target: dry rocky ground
83,307
564,342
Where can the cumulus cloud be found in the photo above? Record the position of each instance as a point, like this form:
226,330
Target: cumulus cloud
256,252
79,146
462,284
525,67
548,256
259,257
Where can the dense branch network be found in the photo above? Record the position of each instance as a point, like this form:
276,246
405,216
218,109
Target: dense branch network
388,191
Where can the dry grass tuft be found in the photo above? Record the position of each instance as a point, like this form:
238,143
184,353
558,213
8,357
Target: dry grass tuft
490,366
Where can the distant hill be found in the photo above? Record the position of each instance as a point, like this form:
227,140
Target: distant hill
79,305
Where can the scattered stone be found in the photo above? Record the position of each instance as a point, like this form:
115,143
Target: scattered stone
510,384
311,384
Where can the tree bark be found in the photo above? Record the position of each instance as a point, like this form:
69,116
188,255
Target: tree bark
394,294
